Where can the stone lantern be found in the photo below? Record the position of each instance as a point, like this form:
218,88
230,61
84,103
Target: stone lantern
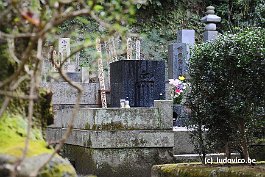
210,19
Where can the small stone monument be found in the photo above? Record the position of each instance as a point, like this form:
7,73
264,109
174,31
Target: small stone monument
69,67
64,48
85,74
179,53
210,19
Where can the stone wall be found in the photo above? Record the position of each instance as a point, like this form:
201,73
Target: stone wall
64,94
117,142
116,162
114,118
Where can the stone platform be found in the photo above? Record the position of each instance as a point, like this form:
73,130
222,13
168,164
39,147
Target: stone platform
117,142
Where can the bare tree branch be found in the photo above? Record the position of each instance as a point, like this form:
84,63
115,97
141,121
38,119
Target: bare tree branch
39,49
73,116
11,48
8,98
24,60
15,85
4,105
29,123
19,35
30,114
15,95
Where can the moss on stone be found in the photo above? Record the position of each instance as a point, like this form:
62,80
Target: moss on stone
12,142
173,170
87,126
13,134
58,171
110,126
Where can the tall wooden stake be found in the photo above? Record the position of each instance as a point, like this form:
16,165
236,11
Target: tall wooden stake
114,53
108,51
101,76
138,50
129,49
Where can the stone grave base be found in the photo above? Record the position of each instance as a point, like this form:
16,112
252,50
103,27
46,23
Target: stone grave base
119,162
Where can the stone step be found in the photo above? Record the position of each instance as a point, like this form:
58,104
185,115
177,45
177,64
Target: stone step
114,139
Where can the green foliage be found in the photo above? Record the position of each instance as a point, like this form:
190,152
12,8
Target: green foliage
227,78
7,67
153,46
240,13
165,17
159,24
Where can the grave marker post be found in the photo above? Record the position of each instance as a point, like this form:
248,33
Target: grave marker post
101,75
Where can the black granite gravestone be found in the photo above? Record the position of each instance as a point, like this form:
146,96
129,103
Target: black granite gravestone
142,81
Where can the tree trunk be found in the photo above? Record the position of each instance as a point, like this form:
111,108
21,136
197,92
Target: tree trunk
201,144
243,140
227,150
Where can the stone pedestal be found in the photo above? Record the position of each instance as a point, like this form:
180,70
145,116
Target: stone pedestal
210,35
142,81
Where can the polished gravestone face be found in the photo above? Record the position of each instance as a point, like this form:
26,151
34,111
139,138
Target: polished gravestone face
142,81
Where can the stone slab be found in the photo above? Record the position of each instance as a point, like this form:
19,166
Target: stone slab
186,36
165,112
53,134
159,117
64,94
127,162
74,76
178,60
115,139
